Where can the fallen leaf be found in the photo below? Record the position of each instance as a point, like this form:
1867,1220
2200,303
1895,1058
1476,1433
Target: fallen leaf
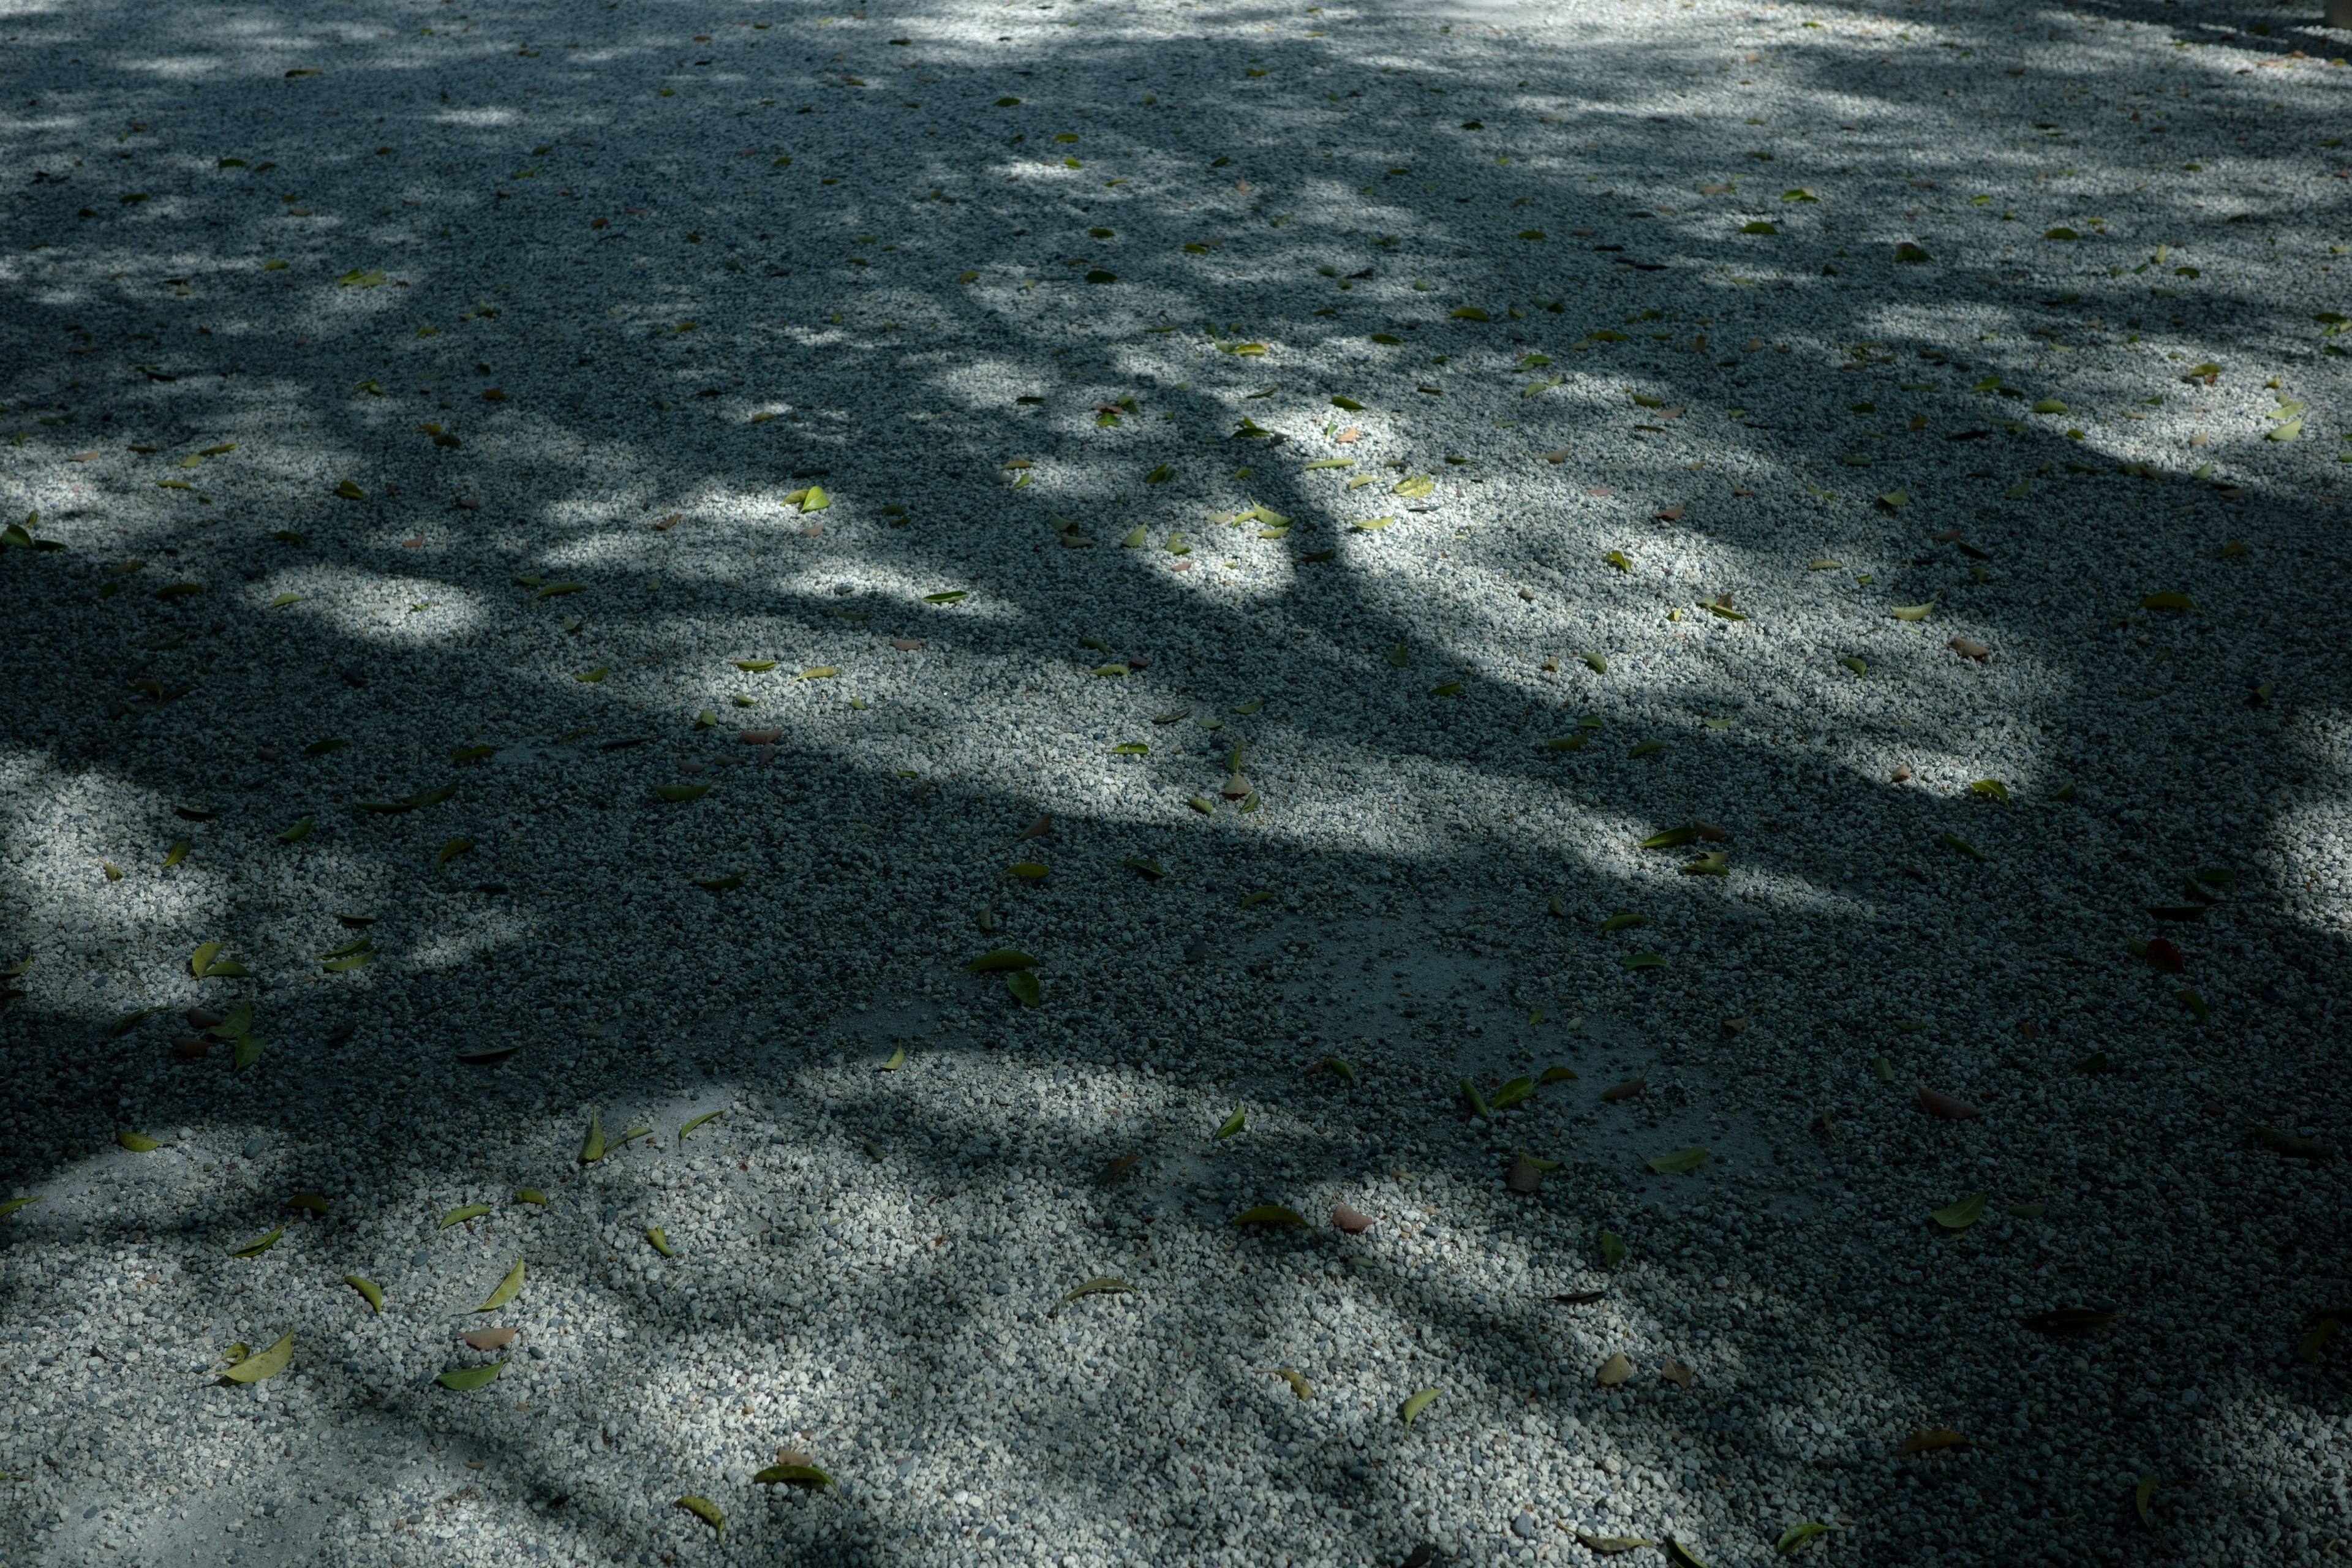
1234,1124
137,1142
1613,1249
797,1473
1958,1216
1351,1221
1299,1384
1680,1163
1003,958
460,1216
509,1288
1626,1090
368,1288
1929,1440
659,1236
1610,1545
268,1365
2289,1144
705,1511
258,1245
1269,1214
591,1147
1969,649
1679,1374
1413,1408
1102,1284
1937,1103
1614,1371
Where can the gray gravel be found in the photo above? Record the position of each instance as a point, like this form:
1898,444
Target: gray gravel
566,294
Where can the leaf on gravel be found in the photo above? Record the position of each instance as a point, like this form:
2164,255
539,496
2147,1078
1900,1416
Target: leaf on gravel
2168,601
1937,1103
2291,1145
460,1216
509,1289
680,792
1413,1408
1554,1075
1610,1545
1270,1214
1003,958
1234,1124
268,1365
368,1288
258,1245
2068,1321
1614,1371
1626,1090
1023,988
659,1236
530,1196
314,1202
792,1475
1928,1439
1613,1249
1101,1285
1149,869
1912,612
1476,1100
2025,1211
488,1056
1958,1216
822,672
1512,1093
1680,1163
137,1142
1299,1385
1958,845
1526,1173
1678,1556
1351,1221
591,1147
898,1059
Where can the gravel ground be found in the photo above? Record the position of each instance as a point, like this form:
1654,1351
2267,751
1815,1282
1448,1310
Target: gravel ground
1501,436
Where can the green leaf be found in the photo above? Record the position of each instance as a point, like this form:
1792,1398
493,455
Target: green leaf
2168,601
1883,1070
1418,485
591,1147
1512,1093
1413,1408
1234,1124
1991,789
137,1142
2289,1144
1003,958
509,1289
1101,1285
1610,1545
258,1245
1447,689
1575,742
660,1237
1023,988
488,1055
678,792
1958,1216
793,1476
1269,1214
1202,805
1646,749
1594,662
460,1216
1150,870
530,1196
1677,1556
1681,1162
350,491
268,1365
558,590
2194,1003
1642,961
1760,227
13,1204
465,1379
1477,1102
2025,1211
248,1052
1912,612
1613,1249
456,846
368,1288
1954,842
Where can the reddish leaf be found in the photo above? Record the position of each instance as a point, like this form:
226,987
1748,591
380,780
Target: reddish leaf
2166,958
1672,514
1936,1103
487,1339
760,737
1349,1220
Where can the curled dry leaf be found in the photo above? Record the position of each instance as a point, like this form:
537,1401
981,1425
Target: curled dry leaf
1614,1371
1351,1221
1937,1103
906,644
1967,648
487,1339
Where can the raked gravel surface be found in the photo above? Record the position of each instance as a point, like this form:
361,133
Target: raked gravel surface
341,339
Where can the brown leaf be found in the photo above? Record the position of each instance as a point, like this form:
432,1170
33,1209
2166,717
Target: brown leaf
1902,773
792,1457
1679,1373
1351,1221
1921,1441
1736,1026
1672,514
487,1339
193,1046
1967,648
1614,1371
760,737
906,645
1121,1167
415,543
672,520
1937,1103
198,1018
1579,1297
1626,1090
1037,830
1347,438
